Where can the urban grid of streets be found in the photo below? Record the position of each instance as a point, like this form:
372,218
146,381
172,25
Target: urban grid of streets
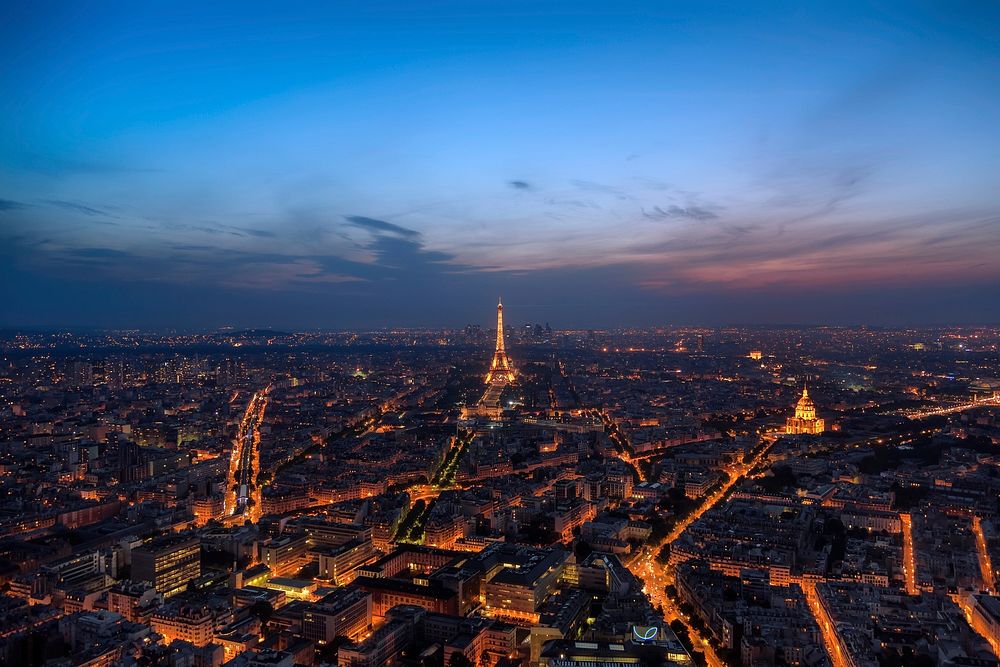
657,577
244,502
325,420
647,567
645,564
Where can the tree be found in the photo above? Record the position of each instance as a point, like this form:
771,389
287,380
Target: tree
262,610
781,477
906,498
458,659
664,555
328,652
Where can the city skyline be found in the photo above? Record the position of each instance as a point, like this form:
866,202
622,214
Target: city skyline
500,334
676,497
361,167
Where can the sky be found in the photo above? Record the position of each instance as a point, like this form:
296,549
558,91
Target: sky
303,165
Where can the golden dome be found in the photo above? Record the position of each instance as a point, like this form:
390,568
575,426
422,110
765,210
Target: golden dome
805,419
805,408
805,401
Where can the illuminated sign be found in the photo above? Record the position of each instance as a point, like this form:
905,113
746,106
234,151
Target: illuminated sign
642,633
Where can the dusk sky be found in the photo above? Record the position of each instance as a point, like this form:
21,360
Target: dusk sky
349,165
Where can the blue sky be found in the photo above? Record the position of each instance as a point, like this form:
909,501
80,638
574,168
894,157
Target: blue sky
372,164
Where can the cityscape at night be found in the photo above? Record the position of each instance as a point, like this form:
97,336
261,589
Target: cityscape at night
525,334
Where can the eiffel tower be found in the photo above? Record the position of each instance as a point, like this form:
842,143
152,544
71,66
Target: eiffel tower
501,370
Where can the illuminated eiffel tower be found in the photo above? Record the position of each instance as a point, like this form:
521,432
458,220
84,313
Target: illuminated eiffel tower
501,370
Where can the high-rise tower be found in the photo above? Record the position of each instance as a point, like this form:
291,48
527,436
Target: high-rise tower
500,367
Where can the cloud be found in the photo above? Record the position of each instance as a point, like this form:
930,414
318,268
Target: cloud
77,207
572,203
390,254
259,233
8,205
61,165
590,186
193,265
741,230
906,250
220,228
846,184
395,252
674,211
97,253
520,185
278,275
381,226
406,255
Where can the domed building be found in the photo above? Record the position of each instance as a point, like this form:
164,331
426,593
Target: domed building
805,420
